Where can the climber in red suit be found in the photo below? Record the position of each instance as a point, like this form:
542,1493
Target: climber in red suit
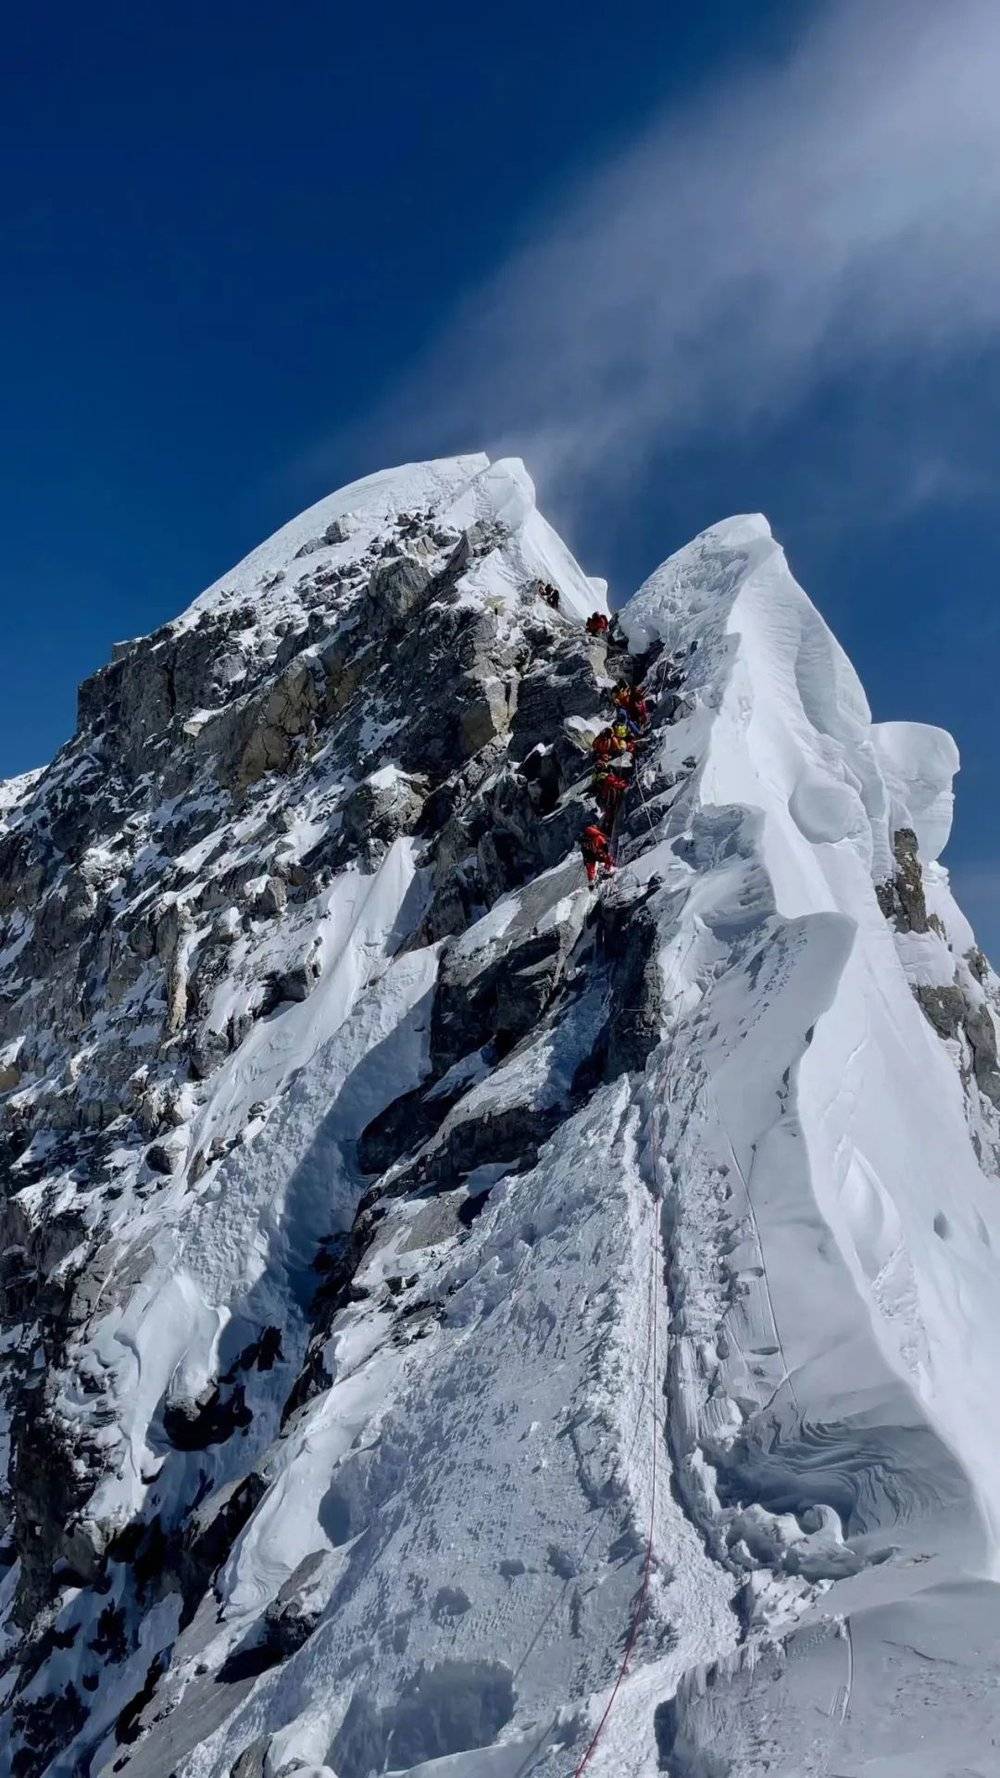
608,745
596,848
609,788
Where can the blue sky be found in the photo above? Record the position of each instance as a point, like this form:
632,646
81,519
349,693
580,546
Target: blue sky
686,260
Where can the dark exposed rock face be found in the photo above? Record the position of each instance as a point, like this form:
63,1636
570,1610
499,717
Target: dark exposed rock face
953,1013
981,1032
163,888
43,1728
630,937
499,988
194,1426
378,812
957,1011
902,897
945,1008
50,1485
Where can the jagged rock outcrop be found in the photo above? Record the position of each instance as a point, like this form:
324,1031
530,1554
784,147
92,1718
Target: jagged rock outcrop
377,1199
901,896
955,992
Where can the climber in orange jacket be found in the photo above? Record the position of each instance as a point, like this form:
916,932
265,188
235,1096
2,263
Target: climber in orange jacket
609,788
638,707
633,704
596,848
610,744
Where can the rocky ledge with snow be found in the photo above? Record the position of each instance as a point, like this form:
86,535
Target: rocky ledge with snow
441,1302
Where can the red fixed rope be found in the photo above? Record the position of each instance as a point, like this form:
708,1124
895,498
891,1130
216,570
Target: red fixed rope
648,1565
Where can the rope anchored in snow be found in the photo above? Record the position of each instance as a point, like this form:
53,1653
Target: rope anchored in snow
642,799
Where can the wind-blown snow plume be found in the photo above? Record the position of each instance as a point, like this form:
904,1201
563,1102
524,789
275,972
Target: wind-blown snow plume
834,210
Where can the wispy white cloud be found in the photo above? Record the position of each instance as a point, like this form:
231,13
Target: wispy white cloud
837,212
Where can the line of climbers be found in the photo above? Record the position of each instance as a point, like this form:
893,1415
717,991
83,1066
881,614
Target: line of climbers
597,623
616,751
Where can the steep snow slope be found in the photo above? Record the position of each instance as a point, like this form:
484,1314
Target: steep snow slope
429,1285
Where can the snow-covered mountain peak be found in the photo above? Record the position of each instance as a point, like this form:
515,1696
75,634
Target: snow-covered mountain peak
363,507
459,492
459,1323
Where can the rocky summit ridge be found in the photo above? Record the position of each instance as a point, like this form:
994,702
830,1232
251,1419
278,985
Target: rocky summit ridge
457,1322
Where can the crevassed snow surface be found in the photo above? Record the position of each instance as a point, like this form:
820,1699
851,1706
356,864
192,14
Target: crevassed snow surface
720,1365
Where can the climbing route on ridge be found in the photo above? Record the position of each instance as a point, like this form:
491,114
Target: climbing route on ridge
617,747
404,959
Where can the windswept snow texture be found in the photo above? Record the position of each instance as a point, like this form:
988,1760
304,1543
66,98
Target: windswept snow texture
425,1279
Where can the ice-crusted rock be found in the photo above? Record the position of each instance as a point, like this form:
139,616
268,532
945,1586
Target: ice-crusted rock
377,1200
385,805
